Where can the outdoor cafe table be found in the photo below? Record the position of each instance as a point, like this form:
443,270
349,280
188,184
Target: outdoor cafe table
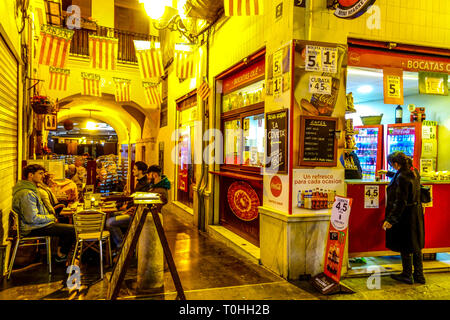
78,207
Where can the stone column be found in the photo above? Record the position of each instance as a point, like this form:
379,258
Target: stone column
150,272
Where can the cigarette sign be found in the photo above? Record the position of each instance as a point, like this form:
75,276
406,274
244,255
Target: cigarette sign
371,197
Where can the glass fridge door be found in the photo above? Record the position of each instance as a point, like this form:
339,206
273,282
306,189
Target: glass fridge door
401,139
367,144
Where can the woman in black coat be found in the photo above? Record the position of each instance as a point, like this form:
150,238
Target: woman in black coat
404,221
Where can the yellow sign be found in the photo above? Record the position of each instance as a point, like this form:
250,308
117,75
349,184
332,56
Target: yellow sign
320,84
321,59
393,86
434,85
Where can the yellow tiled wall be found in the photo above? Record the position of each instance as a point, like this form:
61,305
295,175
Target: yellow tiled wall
419,22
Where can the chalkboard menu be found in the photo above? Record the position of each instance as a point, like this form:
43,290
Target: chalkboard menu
277,141
318,145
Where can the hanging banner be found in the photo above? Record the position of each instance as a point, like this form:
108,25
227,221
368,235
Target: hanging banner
350,9
433,83
393,86
150,60
122,90
184,61
103,52
58,78
152,93
55,46
91,84
337,234
243,7
203,91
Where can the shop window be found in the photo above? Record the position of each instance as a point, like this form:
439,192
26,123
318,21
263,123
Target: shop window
244,97
253,132
132,20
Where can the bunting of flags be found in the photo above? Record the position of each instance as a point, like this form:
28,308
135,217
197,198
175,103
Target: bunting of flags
243,7
55,46
152,92
184,62
58,78
150,62
203,91
91,84
122,92
103,52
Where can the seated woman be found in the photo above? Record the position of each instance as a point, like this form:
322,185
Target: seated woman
47,196
66,191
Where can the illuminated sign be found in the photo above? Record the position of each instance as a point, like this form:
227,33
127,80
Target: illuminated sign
350,9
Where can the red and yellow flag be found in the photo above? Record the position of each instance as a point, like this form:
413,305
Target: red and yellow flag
91,84
103,52
58,78
150,63
243,7
203,91
122,91
153,93
55,46
184,62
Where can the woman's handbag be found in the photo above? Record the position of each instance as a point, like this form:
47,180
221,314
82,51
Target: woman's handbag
425,194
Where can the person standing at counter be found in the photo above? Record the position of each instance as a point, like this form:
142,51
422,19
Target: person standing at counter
404,220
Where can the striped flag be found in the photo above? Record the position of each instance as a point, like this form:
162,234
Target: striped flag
58,78
122,92
91,84
55,46
103,52
152,92
184,63
203,90
150,63
243,7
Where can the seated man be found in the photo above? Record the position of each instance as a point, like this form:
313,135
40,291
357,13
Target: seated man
158,184
121,219
34,218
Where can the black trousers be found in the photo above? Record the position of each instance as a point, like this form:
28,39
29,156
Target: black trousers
65,233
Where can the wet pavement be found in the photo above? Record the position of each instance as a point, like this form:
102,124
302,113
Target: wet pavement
209,270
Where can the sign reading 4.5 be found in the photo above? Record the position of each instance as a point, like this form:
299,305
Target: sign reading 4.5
340,213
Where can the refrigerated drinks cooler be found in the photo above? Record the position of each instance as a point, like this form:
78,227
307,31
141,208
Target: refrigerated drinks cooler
417,140
369,142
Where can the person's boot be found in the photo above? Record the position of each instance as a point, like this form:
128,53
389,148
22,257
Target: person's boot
406,275
418,268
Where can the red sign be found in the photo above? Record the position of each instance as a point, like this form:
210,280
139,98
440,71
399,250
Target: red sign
360,57
276,186
245,76
243,200
350,9
337,234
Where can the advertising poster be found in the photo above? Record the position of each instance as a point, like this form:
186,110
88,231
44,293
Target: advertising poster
337,234
371,197
276,191
315,190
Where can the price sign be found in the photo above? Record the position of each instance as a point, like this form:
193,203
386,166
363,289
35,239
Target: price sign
340,213
371,197
277,65
320,84
321,59
277,86
393,85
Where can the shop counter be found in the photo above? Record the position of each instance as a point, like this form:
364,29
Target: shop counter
366,235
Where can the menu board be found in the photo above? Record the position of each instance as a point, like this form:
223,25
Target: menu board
318,145
277,141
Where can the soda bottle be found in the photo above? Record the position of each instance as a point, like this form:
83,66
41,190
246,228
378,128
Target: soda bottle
300,199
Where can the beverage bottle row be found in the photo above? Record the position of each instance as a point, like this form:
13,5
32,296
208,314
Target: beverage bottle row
402,138
315,199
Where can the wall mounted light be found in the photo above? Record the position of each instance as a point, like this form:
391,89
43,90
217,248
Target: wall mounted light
164,16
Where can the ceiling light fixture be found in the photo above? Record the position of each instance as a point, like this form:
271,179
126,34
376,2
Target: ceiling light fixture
365,89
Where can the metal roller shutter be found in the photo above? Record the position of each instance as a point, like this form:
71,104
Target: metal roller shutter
8,128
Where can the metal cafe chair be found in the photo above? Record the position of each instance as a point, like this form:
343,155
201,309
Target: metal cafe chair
89,225
20,241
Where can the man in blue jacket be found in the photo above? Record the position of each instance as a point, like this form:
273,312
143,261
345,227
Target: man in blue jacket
34,218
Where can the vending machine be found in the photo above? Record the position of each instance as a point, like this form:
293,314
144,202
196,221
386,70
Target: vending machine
369,144
417,140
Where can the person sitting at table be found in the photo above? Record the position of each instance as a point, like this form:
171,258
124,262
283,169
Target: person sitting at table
122,218
66,191
47,196
34,218
101,175
158,184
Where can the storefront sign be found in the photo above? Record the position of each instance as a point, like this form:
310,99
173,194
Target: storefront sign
320,84
316,189
393,86
250,74
350,9
433,83
371,197
337,234
321,59
318,141
276,186
277,141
